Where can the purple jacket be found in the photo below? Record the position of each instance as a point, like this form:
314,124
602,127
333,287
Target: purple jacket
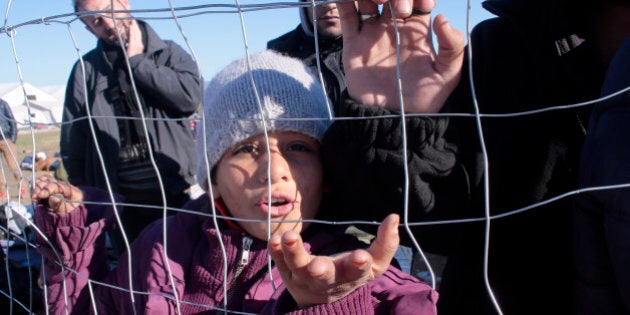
196,261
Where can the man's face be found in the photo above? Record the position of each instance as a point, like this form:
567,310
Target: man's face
328,23
102,25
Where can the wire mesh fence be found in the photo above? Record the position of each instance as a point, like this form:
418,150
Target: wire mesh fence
23,290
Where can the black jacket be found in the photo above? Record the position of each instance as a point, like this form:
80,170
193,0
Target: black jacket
168,79
525,59
602,217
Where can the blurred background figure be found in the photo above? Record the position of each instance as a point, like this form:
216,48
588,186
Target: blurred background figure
7,146
43,162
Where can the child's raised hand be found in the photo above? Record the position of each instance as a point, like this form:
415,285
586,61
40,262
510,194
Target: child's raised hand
322,279
57,196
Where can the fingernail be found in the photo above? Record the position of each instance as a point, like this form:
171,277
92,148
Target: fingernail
320,276
429,5
404,7
360,263
290,243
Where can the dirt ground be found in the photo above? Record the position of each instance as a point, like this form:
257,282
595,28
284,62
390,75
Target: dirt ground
46,141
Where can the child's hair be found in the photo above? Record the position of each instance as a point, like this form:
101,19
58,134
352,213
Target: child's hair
291,98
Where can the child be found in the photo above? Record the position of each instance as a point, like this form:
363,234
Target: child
46,163
251,179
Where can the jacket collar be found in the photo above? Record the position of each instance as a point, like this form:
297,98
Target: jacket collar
154,42
549,21
324,43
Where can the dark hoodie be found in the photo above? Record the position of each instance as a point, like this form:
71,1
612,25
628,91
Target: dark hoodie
602,217
300,43
536,54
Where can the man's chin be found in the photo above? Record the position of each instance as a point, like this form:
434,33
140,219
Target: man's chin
114,42
329,33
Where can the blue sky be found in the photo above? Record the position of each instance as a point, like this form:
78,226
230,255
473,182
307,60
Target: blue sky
46,51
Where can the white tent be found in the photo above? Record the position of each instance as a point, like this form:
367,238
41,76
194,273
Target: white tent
45,109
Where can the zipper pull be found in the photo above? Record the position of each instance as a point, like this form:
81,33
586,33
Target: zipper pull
247,243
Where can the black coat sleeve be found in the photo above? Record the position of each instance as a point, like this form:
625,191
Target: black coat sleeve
365,167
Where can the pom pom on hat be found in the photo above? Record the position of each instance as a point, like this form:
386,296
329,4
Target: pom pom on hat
290,97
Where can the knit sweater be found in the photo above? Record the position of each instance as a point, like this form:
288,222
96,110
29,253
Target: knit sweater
196,260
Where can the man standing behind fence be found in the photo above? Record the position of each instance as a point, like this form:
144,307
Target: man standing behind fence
300,43
130,57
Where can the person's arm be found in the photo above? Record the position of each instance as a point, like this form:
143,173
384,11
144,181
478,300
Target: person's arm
399,293
617,231
394,292
73,242
358,302
75,128
177,82
364,159
602,217
365,170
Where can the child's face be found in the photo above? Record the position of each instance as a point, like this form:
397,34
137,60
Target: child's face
241,179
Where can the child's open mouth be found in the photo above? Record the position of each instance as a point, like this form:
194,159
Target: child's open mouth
276,203
280,205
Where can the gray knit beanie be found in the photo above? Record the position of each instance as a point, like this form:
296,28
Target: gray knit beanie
287,90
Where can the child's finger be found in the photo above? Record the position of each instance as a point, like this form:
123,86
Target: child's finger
43,190
295,255
349,19
357,266
55,202
450,46
275,250
368,8
43,180
385,245
321,271
65,189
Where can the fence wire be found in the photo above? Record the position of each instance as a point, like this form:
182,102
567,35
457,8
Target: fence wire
208,9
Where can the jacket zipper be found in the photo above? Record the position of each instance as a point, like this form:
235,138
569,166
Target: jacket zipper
247,243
